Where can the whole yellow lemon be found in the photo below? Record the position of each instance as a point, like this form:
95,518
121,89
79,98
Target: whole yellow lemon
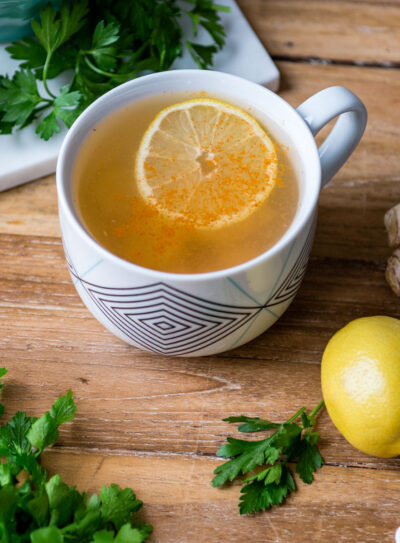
360,378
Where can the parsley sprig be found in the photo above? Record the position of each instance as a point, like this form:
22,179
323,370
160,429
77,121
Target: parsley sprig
98,44
38,509
289,442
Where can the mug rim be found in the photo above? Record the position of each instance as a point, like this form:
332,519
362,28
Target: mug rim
289,235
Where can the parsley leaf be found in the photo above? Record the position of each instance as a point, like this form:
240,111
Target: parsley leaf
289,442
50,534
62,109
101,51
63,409
309,457
13,435
260,495
72,19
126,534
202,54
98,49
247,455
44,431
19,96
252,424
41,510
118,505
30,51
55,28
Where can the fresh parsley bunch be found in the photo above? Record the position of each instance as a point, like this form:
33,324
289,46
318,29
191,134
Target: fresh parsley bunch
99,44
38,509
290,442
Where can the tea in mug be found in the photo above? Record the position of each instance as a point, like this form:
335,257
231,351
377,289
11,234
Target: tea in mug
185,183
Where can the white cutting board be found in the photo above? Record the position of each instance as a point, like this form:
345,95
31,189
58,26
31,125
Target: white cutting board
24,156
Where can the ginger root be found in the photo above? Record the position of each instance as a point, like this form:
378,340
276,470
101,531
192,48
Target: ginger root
393,272
392,224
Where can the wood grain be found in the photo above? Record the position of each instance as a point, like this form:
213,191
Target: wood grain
344,505
154,422
126,395
356,31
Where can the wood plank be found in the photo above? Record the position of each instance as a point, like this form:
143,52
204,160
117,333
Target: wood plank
125,395
354,202
356,31
373,159
154,423
341,505
351,206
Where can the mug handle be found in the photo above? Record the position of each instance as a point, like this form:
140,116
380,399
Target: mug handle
321,108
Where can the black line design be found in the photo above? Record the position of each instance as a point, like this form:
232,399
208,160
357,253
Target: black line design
167,320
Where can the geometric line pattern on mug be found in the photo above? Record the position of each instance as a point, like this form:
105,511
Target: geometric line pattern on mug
285,290
168,320
291,284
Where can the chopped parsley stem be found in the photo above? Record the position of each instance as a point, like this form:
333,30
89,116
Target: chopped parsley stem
315,411
136,54
100,71
45,70
299,412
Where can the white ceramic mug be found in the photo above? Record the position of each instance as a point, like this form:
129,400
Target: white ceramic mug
207,313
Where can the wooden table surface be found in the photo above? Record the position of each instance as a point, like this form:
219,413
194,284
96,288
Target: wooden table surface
154,423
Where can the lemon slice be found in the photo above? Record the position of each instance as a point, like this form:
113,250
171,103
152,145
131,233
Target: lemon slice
205,162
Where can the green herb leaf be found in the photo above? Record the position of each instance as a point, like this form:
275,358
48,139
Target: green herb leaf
98,49
289,442
257,496
205,13
64,409
43,432
252,424
19,97
55,28
104,536
63,500
310,458
48,30
287,437
29,463
269,475
8,499
48,126
5,475
50,534
38,510
63,109
72,17
13,436
202,54
104,55
249,454
126,534
30,51
118,505
38,507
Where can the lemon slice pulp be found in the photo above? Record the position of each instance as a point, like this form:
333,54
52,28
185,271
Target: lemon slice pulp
205,162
